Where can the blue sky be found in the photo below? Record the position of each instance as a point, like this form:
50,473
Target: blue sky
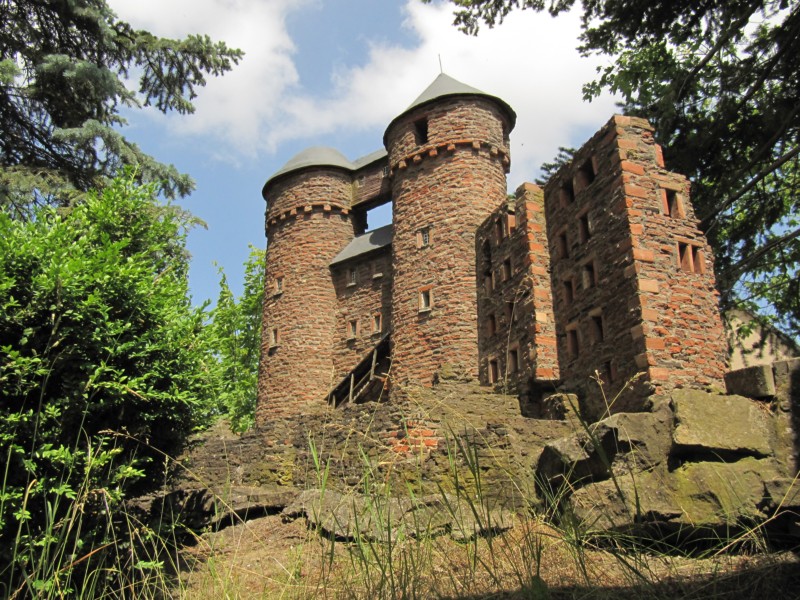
334,73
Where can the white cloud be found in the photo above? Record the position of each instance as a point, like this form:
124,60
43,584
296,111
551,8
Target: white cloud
530,61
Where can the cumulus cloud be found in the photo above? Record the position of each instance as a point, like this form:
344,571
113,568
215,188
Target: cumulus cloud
530,61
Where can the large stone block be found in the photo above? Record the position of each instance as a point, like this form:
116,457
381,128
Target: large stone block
754,382
724,426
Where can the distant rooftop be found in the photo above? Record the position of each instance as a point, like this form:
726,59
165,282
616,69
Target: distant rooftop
364,243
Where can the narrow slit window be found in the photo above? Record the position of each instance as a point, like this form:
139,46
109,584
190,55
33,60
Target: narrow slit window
563,245
673,207
425,300
589,276
569,292
685,257
585,175
352,276
567,193
507,270
352,328
573,348
583,228
278,285
494,371
499,230
509,311
609,373
488,282
273,337
513,360
698,260
598,330
491,325
377,323
424,237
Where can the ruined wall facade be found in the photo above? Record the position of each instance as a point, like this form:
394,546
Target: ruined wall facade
631,272
516,327
308,223
448,167
364,294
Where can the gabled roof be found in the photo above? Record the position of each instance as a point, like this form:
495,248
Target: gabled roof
364,243
445,86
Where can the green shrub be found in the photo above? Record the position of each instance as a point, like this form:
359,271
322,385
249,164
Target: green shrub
102,374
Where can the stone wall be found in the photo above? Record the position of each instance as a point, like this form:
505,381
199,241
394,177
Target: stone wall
632,275
308,223
444,185
364,292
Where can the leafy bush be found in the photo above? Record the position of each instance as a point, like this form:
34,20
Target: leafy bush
102,374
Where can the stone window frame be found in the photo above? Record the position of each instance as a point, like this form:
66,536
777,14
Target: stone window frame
509,310
424,237
425,299
691,258
562,243
597,326
584,227
568,291
608,374
566,192
573,341
585,175
377,323
277,285
589,274
672,204
274,337
506,269
513,355
377,269
500,230
489,282
352,276
491,325
493,369
353,327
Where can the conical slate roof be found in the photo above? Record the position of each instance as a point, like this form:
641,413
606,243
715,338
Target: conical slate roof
318,156
445,86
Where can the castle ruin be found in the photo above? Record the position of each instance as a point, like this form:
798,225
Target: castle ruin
602,274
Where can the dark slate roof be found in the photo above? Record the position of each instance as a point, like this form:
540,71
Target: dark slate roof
445,86
364,243
369,158
318,156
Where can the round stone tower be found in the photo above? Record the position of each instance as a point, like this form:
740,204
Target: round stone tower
308,222
448,155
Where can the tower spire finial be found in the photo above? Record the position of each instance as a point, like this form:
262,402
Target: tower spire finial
440,64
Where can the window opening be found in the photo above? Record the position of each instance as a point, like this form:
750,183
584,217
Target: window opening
424,300
598,331
494,371
273,337
377,323
507,269
513,360
421,131
351,276
673,205
609,375
573,349
509,310
567,193
278,285
698,260
499,230
569,292
491,325
585,174
352,328
563,246
589,276
583,228
423,237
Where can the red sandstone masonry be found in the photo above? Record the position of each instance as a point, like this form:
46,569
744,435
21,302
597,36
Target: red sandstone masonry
451,192
296,370
627,279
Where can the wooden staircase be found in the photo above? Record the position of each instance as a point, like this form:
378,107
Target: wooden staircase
367,380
